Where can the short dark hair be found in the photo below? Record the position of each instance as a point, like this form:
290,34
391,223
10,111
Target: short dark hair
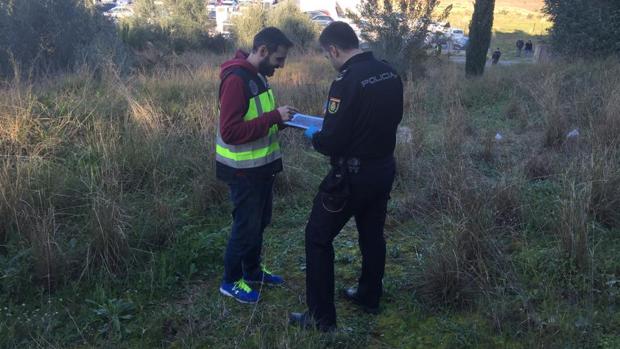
272,38
339,34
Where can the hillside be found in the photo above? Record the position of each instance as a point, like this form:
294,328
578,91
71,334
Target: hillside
529,5
511,16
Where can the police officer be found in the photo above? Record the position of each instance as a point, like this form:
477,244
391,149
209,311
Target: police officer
364,108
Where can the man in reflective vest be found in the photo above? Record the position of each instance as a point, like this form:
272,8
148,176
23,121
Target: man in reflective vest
248,157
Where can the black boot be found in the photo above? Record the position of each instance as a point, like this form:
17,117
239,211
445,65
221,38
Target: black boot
307,322
351,295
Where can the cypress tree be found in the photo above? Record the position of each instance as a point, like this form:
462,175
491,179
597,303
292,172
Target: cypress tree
480,29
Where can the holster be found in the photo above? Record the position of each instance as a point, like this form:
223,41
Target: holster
335,188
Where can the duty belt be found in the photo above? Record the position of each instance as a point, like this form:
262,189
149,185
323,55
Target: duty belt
351,164
354,164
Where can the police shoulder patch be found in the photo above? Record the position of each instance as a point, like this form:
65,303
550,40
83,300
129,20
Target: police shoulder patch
333,105
341,75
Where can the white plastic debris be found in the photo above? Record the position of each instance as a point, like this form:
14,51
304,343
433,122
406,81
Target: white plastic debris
573,134
499,137
404,135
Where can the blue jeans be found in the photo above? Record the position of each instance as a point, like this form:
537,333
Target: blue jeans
252,201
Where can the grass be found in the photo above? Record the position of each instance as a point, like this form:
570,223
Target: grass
114,227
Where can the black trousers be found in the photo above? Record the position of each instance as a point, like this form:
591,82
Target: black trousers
367,202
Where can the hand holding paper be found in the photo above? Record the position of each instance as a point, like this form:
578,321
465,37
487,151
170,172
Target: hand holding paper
287,112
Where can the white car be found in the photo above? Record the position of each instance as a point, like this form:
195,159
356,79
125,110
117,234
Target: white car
322,20
119,12
436,27
456,33
314,13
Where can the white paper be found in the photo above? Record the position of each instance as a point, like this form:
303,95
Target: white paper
306,121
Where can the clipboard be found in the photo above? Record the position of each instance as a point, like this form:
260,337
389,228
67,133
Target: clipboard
305,121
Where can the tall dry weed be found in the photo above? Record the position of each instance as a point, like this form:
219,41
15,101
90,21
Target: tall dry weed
605,123
14,189
603,171
39,227
106,220
548,97
573,222
464,259
107,226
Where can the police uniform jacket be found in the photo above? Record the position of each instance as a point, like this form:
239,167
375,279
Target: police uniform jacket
363,110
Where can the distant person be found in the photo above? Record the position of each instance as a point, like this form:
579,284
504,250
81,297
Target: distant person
438,49
529,48
496,56
520,44
248,157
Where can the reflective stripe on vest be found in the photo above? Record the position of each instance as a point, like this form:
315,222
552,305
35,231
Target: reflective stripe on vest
259,152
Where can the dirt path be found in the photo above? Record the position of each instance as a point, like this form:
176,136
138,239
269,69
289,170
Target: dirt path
460,59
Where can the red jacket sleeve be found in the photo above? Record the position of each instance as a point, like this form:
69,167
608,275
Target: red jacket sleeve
233,106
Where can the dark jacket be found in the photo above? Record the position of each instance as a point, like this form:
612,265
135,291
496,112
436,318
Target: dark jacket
363,110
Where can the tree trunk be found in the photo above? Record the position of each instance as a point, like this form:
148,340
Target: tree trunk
480,30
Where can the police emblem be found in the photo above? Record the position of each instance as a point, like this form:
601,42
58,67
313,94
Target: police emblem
334,104
253,88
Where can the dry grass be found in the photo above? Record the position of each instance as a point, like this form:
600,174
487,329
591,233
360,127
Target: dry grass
123,164
445,176
573,222
125,150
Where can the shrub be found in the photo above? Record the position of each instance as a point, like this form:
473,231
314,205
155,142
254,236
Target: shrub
250,21
51,35
296,25
285,16
398,34
585,28
170,25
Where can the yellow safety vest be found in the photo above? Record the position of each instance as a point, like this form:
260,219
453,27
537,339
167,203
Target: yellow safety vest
261,151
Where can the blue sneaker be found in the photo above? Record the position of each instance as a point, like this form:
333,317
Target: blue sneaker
265,277
240,291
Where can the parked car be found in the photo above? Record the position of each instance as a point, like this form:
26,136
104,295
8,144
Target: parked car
460,43
322,20
105,7
455,33
119,12
314,13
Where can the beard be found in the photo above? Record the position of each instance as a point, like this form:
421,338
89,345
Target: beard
265,68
